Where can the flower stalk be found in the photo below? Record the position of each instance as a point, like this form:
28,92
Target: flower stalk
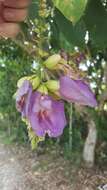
70,127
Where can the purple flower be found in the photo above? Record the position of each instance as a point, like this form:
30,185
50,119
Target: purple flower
23,96
76,91
46,115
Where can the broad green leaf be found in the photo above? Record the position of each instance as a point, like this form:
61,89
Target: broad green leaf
95,19
71,9
63,29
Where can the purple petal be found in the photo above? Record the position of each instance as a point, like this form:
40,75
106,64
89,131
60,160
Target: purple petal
76,91
23,90
57,119
53,118
24,94
40,102
26,109
38,127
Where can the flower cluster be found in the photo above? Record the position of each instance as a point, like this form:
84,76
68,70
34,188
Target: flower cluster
40,98
44,114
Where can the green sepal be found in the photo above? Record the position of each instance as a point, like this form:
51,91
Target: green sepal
43,89
35,82
52,61
53,85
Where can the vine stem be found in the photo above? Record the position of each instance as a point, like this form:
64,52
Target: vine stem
70,127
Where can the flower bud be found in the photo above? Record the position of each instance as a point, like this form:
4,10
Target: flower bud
35,82
53,85
52,61
43,89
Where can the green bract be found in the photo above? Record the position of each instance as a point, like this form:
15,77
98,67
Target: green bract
35,82
52,85
43,89
52,61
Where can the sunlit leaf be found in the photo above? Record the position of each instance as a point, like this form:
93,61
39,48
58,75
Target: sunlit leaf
71,9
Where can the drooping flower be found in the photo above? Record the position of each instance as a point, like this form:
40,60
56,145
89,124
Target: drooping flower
76,91
23,96
46,115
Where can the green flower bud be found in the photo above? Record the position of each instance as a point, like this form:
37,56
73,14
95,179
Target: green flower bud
52,61
35,82
43,89
52,85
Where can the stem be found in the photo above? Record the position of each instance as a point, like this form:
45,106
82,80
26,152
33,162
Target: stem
70,127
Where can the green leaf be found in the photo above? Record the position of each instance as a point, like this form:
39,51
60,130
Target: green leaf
71,9
95,19
74,35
